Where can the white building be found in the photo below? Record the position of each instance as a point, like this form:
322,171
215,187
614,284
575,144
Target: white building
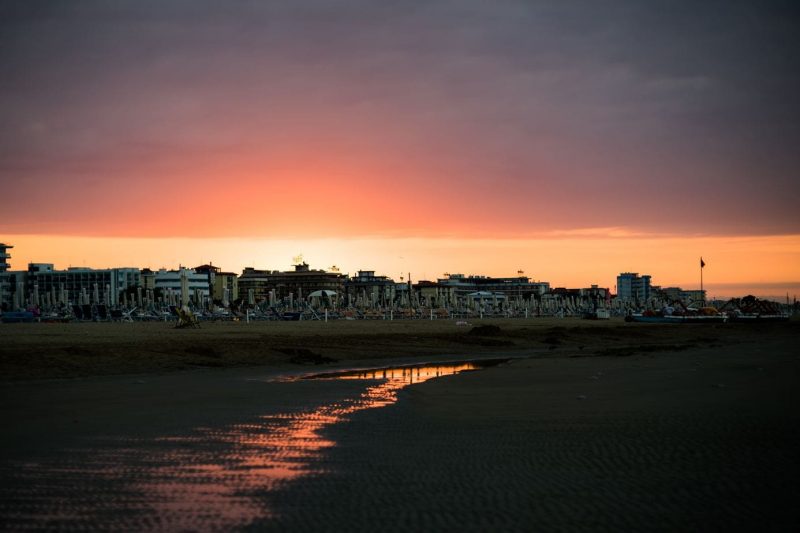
183,286
44,286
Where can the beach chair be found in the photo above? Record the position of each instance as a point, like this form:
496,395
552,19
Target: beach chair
186,319
116,315
127,314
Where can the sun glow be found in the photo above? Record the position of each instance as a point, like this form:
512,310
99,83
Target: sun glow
764,265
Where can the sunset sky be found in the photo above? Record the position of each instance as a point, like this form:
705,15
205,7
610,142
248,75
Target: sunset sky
570,140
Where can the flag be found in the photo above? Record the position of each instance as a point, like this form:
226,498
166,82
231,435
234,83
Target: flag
702,263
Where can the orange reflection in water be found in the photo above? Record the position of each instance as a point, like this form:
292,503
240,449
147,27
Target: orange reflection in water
218,490
209,479
213,478
409,375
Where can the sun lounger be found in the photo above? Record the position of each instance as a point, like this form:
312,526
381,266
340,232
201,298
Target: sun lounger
186,319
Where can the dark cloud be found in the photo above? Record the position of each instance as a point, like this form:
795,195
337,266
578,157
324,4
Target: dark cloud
648,114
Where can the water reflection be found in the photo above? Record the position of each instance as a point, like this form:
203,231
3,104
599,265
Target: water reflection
210,479
407,375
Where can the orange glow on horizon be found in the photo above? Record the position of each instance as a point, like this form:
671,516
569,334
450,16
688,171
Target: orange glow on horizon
765,265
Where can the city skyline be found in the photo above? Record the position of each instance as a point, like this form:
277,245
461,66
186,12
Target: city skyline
450,255
571,141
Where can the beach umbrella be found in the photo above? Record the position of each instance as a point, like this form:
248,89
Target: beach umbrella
184,288
16,297
320,293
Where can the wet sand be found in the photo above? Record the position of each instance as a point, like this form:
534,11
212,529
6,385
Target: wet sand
598,426
700,440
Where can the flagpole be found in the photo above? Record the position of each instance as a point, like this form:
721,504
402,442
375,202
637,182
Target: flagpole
701,282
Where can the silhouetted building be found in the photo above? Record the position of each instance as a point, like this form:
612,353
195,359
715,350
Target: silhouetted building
5,293
367,289
147,279
44,285
210,271
185,284
226,287
512,287
4,256
631,287
434,294
273,285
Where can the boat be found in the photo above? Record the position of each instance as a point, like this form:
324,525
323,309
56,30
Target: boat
13,317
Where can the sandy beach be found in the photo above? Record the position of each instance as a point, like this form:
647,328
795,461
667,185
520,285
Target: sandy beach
47,351
590,426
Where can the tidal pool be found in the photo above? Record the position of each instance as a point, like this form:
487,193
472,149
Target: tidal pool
210,478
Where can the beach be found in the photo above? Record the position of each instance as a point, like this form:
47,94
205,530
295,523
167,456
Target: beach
86,349
587,426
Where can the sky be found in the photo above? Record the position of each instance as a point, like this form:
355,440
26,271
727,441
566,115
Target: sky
571,140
